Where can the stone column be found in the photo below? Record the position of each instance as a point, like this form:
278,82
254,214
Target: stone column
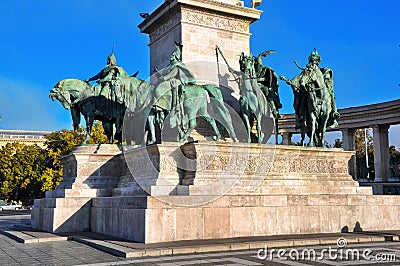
381,152
286,138
349,144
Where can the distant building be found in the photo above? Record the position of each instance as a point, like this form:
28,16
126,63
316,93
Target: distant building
28,137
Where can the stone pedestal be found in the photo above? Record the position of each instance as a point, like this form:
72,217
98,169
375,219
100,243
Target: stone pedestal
211,190
89,171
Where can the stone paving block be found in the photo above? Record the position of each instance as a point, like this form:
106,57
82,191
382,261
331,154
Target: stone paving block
183,250
151,252
379,238
305,242
257,245
328,241
213,248
239,246
280,243
110,248
165,251
19,236
364,239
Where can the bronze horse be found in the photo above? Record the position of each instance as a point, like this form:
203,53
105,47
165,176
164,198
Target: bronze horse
313,107
80,98
136,103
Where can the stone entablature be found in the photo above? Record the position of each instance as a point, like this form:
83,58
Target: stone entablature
199,25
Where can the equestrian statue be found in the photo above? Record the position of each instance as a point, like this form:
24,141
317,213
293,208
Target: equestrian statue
253,102
314,100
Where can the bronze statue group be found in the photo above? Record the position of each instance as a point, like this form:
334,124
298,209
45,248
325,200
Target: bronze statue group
136,111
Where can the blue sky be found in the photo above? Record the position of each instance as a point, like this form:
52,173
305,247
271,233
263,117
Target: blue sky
44,41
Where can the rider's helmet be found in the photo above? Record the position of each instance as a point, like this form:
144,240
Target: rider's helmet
315,57
177,55
111,60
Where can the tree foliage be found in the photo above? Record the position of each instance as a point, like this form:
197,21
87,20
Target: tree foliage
394,162
21,171
98,136
28,171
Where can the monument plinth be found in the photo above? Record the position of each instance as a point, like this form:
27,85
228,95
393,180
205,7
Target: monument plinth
89,171
236,190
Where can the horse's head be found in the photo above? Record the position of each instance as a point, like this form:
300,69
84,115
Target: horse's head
68,91
63,96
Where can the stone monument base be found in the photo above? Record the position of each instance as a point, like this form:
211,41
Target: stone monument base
211,190
150,220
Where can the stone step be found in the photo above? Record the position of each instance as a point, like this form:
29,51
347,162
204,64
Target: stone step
278,190
78,193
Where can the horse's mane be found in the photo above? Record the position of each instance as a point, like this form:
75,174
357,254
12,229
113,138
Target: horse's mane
73,84
138,93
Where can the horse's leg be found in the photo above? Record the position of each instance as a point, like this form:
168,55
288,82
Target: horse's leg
311,143
118,130
276,130
303,136
76,117
89,123
107,130
223,116
260,133
159,121
192,125
151,127
211,121
322,130
246,119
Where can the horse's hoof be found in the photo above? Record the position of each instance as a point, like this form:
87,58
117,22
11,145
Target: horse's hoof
151,142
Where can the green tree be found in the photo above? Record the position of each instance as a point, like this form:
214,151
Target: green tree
21,171
27,171
394,161
63,142
59,144
98,136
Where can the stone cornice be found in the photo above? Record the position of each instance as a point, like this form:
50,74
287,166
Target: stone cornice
250,13
167,7
165,25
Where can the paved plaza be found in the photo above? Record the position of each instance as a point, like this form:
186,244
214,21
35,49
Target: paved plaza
69,252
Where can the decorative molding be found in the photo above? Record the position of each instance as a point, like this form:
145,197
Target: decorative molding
218,5
165,26
214,20
309,166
